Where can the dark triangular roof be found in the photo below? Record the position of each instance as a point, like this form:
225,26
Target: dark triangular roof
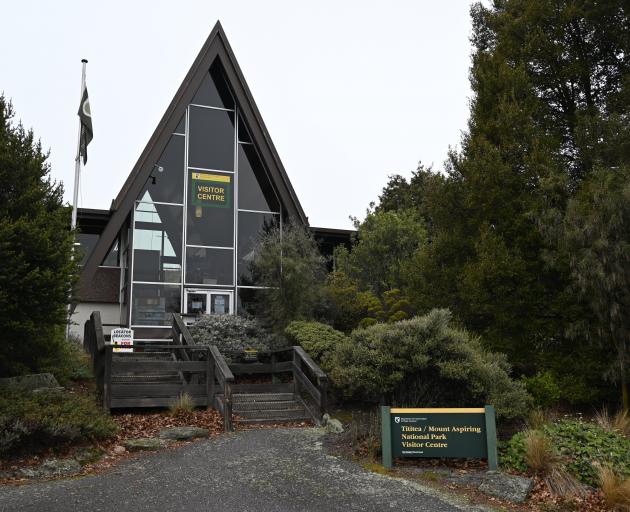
215,47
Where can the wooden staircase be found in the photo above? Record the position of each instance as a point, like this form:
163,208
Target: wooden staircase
257,406
157,375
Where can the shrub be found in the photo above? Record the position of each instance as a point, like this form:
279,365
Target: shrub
578,443
30,421
424,361
231,333
69,363
543,388
319,340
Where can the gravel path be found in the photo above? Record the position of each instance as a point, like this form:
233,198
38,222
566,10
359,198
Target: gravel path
255,470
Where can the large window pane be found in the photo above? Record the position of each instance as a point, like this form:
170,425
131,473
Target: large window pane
154,304
247,301
250,228
210,209
168,173
214,91
211,139
254,188
209,266
88,241
157,243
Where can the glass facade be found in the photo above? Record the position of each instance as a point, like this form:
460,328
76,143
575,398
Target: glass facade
198,218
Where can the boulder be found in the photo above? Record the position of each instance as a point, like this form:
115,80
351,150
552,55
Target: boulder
183,433
143,443
506,487
332,425
51,467
30,382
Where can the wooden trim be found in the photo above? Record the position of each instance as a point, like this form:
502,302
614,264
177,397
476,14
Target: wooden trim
436,410
156,366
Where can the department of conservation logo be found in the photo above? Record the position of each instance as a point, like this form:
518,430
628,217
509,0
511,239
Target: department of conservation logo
397,419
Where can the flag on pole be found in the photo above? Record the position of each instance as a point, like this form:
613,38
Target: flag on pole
85,115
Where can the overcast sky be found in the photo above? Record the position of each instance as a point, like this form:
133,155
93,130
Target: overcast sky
351,91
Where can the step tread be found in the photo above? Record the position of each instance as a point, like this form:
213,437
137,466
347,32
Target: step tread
262,397
273,414
273,420
275,405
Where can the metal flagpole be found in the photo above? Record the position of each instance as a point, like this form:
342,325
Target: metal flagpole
75,199
77,160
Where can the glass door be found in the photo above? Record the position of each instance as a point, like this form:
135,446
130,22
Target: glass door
209,302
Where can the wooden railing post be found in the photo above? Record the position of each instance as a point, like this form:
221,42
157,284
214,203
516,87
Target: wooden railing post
323,389
107,379
296,366
274,376
209,378
227,409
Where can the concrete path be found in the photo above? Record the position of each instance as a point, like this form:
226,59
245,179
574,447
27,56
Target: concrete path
256,470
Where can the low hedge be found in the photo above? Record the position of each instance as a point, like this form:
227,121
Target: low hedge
424,361
33,421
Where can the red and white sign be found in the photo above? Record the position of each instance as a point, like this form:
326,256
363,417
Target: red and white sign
122,339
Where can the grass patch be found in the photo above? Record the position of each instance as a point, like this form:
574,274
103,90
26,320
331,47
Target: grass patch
377,468
182,405
616,490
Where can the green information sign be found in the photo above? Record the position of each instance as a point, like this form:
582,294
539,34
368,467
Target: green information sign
465,432
211,190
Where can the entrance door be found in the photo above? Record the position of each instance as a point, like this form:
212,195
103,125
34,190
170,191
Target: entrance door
211,302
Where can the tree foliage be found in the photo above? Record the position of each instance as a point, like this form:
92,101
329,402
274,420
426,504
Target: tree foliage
551,93
597,238
287,262
37,272
421,361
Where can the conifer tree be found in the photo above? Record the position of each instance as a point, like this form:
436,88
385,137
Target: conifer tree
36,269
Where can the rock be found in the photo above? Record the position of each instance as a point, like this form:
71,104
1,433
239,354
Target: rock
119,450
51,467
334,426
58,389
183,433
88,455
506,487
30,382
143,443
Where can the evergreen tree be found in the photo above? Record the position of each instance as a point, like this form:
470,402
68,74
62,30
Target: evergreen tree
551,84
597,237
37,271
287,262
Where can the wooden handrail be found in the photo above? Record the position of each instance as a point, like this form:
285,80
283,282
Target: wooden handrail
226,379
317,390
179,327
317,371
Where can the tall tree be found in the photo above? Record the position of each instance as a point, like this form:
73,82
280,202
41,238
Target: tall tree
597,237
551,86
37,270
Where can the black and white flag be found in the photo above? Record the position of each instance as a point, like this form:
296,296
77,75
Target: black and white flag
85,115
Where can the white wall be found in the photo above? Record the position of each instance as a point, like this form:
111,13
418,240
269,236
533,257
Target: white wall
110,314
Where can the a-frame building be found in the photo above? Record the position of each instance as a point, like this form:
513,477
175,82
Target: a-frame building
180,233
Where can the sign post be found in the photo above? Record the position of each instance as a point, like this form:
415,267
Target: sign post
122,339
451,433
